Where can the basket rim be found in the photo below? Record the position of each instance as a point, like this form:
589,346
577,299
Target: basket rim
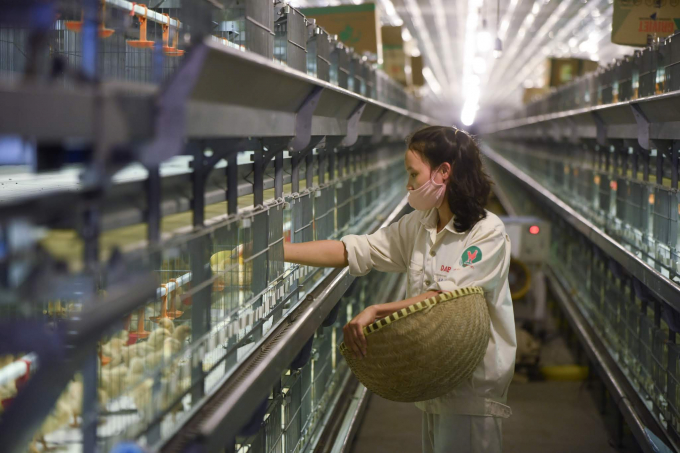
420,306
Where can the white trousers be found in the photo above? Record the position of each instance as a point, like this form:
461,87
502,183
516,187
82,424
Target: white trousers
461,434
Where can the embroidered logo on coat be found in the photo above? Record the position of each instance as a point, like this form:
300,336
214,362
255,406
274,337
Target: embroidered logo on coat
446,269
470,255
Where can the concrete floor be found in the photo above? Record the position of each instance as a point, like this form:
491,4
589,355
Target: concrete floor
555,417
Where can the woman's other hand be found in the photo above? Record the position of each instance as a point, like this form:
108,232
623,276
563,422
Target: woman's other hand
354,331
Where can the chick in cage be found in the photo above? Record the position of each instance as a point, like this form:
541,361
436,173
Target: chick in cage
58,309
232,269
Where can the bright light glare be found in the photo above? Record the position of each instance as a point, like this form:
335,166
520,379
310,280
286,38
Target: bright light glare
484,41
389,8
406,35
479,65
467,117
431,80
536,8
415,52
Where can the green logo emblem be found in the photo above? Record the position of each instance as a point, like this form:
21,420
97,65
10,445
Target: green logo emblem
470,255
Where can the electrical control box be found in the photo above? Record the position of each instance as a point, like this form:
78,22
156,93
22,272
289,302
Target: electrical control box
530,238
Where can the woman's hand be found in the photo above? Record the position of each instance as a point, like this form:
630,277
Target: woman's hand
354,331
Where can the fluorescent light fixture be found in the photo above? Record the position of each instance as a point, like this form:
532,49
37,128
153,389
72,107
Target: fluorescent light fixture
498,48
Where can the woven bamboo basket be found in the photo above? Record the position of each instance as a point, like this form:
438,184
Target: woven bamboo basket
425,350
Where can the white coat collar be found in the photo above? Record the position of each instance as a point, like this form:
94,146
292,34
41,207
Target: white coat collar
430,218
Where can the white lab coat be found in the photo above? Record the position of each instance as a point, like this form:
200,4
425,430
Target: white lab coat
446,261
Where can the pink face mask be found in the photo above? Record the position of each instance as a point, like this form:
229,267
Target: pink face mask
429,195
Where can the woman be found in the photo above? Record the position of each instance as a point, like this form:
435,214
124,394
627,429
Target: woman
450,241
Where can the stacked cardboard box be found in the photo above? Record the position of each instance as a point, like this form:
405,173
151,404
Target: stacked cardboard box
396,56
634,22
357,26
560,71
532,94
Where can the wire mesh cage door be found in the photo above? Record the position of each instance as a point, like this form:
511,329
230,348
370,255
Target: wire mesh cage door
343,195
292,421
665,223
275,241
319,54
358,197
291,38
324,213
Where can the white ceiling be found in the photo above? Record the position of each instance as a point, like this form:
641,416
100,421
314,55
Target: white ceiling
531,31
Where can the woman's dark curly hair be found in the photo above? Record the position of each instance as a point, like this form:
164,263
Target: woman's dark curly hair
469,186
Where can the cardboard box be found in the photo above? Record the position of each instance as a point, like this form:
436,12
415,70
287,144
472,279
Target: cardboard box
417,71
634,21
532,94
397,64
391,36
357,26
560,71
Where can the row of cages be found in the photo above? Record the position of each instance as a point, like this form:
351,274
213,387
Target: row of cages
648,72
632,196
222,289
291,417
638,329
141,44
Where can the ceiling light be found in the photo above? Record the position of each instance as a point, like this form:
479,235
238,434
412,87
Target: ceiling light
498,48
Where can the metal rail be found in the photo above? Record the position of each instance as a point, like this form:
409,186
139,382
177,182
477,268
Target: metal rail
140,10
655,281
656,117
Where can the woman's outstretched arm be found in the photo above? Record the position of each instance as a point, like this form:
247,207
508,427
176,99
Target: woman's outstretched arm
316,253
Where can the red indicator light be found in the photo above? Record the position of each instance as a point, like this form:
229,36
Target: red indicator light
534,229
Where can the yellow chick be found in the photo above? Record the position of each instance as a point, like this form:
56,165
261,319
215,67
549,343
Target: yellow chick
60,416
182,333
136,371
142,396
139,349
74,395
114,380
157,338
167,324
154,359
